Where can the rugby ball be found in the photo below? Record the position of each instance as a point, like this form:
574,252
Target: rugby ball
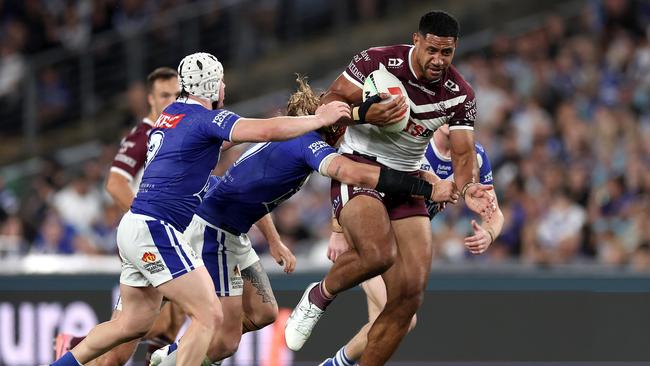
382,81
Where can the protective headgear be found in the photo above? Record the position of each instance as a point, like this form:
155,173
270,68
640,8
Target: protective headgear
200,74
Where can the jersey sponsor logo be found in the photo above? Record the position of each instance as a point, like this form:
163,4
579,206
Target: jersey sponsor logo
236,281
395,62
151,263
416,130
220,117
315,146
443,171
487,177
452,86
430,92
352,68
470,110
168,120
363,56
125,159
148,257
361,190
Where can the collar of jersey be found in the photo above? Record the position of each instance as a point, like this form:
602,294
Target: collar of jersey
188,101
147,121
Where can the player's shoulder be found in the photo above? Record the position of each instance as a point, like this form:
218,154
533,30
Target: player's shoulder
394,56
397,50
456,83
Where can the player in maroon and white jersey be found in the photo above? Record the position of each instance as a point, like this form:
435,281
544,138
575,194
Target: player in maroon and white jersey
126,170
390,234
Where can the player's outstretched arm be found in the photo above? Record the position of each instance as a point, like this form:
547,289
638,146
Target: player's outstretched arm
388,180
285,128
486,233
118,187
278,250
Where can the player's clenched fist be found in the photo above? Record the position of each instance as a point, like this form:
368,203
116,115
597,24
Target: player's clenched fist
331,112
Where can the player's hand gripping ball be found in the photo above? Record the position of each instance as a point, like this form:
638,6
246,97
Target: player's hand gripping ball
382,81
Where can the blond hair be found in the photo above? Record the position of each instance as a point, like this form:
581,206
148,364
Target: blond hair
303,102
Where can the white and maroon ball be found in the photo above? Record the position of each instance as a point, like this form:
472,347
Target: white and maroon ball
382,81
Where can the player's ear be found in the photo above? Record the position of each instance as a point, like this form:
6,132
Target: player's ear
416,38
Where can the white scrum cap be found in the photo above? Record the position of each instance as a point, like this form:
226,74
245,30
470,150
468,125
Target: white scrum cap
200,74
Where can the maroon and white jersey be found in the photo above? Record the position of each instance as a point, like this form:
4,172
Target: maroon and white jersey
448,100
129,161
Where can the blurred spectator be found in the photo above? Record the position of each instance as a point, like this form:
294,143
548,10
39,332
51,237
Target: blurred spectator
12,239
54,236
74,33
54,97
564,111
558,234
104,231
79,203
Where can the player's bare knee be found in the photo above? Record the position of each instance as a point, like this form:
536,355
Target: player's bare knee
230,346
378,261
411,303
265,315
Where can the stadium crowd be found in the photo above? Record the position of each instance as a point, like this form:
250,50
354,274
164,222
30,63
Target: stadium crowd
563,112
29,28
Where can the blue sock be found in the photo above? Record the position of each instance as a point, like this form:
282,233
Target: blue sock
341,359
67,360
172,347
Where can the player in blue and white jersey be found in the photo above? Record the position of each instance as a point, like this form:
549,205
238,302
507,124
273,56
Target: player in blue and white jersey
266,175
157,261
437,159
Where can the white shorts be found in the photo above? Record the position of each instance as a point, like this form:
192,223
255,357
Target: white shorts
225,255
152,251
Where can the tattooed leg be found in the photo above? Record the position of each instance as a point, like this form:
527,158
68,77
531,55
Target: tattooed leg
260,306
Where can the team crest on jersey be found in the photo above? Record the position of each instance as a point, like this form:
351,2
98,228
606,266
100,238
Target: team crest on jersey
168,120
452,86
